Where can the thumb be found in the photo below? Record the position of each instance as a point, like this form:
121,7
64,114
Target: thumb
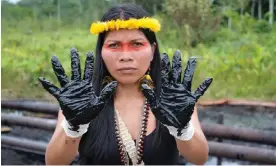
47,85
108,90
150,95
203,87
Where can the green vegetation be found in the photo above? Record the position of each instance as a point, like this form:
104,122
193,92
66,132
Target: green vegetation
241,59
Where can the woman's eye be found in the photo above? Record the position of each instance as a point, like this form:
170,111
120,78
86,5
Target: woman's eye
136,44
114,45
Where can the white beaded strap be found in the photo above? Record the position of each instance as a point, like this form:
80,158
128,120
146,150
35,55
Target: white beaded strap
127,140
187,133
74,134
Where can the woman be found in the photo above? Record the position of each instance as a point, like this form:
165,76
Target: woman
134,109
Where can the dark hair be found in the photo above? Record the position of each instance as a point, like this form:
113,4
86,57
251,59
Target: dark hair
97,141
125,12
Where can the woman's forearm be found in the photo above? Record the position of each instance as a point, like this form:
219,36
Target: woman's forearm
61,149
195,150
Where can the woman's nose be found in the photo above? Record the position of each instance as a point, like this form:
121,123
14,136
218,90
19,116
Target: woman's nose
125,57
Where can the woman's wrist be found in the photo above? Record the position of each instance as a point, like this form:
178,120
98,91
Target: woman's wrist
71,133
186,133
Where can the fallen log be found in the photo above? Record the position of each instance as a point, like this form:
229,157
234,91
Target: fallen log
232,102
41,123
5,129
44,107
23,144
32,106
239,134
212,130
238,152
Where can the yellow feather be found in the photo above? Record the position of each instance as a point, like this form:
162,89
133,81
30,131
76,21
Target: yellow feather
150,23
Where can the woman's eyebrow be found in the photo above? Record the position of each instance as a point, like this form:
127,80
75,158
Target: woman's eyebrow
111,41
137,39
121,41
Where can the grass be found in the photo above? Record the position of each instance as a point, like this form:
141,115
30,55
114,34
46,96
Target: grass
242,63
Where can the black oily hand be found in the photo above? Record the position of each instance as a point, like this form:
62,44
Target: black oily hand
176,103
76,97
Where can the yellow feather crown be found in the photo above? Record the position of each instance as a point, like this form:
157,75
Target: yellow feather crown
132,23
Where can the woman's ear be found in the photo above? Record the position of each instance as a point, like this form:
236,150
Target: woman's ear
153,47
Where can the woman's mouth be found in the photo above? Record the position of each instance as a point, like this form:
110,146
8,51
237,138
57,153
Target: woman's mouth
127,69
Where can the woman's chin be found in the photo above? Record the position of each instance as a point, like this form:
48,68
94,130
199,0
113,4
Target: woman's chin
128,82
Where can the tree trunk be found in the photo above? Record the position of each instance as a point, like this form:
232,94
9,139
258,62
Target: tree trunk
253,8
259,9
271,7
58,11
154,8
35,12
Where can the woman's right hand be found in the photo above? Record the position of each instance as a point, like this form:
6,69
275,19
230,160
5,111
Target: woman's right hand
76,97
175,106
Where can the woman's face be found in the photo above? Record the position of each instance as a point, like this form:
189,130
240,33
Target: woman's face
127,55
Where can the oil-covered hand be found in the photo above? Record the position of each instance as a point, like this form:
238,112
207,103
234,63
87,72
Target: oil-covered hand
76,97
176,103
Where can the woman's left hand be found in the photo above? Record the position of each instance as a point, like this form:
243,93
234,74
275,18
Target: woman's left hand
176,103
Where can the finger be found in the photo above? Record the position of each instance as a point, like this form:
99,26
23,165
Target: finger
165,67
59,71
189,73
108,90
203,87
75,65
89,66
176,67
150,95
52,89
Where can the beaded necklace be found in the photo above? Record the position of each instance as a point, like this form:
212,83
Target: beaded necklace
125,142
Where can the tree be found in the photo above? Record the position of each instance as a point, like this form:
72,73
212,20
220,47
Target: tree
151,6
271,9
195,18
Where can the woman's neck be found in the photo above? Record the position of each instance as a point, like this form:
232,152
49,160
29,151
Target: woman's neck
128,92
129,100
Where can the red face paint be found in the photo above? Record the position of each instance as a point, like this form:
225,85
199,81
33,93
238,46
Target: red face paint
125,46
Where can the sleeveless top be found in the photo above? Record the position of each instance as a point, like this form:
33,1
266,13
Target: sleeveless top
98,146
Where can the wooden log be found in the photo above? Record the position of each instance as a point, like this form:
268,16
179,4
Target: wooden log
24,144
230,102
239,134
5,129
237,152
43,107
33,122
32,106
212,130
240,152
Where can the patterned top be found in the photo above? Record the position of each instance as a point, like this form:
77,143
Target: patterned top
99,147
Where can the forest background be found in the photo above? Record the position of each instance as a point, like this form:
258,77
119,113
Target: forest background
234,41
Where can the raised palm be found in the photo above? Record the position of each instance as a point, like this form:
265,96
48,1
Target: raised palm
76,97
176,103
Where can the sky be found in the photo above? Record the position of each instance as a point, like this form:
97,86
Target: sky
13,1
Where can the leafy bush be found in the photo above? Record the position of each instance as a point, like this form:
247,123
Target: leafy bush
262,26
194,20
241,59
